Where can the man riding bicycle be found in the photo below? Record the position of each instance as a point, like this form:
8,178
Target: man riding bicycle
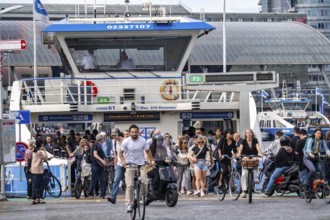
134,148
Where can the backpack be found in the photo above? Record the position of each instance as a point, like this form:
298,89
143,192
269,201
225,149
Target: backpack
215,153
215,177
88,157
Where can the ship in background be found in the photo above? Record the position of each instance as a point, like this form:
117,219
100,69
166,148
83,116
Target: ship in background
288,112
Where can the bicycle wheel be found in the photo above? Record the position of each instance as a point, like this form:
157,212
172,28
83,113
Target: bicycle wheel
142,205
77,188
235,185
54,187
326,193
87,182
250,185
136,197
308,194
111,178
222,190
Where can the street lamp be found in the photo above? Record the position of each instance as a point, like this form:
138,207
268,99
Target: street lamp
2,193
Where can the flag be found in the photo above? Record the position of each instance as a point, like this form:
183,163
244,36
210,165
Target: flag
40,12
318,91
264,94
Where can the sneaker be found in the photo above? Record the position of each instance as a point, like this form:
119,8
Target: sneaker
129,208
243,196
202,194
112,200
182,191
189,192
197,193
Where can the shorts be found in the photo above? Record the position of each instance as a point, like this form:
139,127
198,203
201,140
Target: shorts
200,165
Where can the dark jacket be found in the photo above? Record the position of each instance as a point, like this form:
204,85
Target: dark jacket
283,158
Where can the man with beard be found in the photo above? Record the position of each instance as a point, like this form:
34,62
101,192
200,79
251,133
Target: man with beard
134,149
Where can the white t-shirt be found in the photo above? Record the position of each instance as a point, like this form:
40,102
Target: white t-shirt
118,145
134,150
89,62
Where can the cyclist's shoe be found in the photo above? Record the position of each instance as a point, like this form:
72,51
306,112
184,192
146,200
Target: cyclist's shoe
129,208
112,200
243,196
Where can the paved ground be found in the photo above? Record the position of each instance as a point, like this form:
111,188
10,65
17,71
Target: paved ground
188,207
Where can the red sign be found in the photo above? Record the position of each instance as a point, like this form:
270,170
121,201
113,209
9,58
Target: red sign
21,147
12,45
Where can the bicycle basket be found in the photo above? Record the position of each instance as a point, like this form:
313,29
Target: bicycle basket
253,164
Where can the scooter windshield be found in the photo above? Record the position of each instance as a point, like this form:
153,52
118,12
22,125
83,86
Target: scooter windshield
162,152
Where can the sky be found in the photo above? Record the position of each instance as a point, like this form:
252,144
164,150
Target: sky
194,5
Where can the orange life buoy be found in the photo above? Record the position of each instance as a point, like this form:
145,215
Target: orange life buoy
170,94
90,83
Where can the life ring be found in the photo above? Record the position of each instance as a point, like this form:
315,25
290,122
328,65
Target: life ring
90,83
170,94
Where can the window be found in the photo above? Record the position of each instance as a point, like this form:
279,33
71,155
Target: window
147,53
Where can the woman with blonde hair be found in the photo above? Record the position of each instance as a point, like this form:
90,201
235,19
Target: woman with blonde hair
249,146
200,156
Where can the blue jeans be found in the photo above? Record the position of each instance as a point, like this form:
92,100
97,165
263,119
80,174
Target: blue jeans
118,177
311,167
98,173
277,172
303,176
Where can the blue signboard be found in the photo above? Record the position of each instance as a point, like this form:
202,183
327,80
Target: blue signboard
67,118
206,115
21,116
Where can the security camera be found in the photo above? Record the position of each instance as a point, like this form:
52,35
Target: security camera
125,107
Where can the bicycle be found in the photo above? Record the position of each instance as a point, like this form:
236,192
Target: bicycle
83,179
320,186
110,173
52,185
139,201
250,165
232,183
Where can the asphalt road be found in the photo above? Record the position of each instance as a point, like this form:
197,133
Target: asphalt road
188,207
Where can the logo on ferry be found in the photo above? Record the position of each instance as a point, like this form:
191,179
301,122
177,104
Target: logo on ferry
106,108
45,118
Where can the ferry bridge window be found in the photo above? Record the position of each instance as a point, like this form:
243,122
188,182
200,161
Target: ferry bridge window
145,53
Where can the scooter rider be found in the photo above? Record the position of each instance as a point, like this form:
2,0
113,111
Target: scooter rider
282,159
159,152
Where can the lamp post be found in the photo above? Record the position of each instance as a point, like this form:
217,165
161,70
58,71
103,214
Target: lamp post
224,50
2,193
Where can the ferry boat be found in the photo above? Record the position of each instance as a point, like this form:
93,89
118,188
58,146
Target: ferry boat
288,112
151,93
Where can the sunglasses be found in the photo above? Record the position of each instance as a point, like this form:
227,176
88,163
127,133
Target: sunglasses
200,142
184,142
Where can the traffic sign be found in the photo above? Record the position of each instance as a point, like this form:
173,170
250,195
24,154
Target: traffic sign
21,116
21,147
12,45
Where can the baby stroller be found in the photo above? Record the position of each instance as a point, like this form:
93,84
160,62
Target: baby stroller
84,176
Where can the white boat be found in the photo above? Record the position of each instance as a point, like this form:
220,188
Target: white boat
288,112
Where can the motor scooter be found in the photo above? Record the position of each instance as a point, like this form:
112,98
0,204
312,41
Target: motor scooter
162,183
287,182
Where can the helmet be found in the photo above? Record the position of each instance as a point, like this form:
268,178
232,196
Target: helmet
284,140
158,137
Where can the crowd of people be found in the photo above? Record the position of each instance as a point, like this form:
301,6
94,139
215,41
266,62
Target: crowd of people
195,155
